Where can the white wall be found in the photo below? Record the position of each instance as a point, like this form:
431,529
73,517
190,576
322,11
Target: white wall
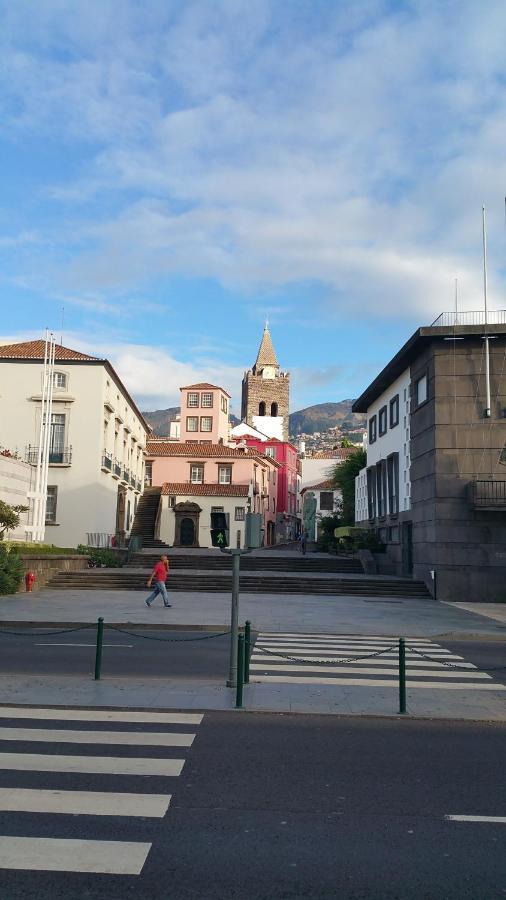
167,522
361,510
87,495
315,470
396,440
272,426
15,482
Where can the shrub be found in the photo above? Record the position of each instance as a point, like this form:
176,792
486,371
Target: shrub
326,528
11,570
101,556
349,540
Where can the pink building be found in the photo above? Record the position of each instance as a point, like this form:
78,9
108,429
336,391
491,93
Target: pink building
204,414
285,454
200,478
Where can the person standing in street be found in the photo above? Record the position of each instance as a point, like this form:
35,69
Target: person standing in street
159,575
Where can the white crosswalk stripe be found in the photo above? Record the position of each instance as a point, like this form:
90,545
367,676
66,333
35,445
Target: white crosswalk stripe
116,857
332,660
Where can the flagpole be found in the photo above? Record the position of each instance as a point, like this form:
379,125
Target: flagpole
485,297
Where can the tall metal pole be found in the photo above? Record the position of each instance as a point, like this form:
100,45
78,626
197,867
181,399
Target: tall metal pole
234,619
40,448
47,443
486,338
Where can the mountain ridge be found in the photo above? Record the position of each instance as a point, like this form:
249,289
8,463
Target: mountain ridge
319,417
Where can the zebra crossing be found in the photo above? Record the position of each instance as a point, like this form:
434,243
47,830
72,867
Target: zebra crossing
295,658
147,748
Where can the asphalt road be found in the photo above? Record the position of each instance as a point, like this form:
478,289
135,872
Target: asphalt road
143,654
280,806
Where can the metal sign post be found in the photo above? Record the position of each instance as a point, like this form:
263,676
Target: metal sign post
234,614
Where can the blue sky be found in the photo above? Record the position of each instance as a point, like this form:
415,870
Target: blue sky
174,172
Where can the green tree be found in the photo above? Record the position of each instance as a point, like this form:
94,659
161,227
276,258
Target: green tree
343,477
345,442
11,570
9,517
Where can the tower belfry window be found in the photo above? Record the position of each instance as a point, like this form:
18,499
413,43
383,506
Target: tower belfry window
261,408
274,409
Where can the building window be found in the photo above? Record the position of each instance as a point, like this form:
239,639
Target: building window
327,500
57,438
394,411
224,404
192,423
261,408
206,423
421,393
193,399
381,488
371,493
51,501
393,483
271,451
217,509
206,400
59,380
172,501
224,474
372,429
274,409
197,473
382,421
273,505
240,514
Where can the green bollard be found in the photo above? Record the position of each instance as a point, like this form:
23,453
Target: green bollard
98,652
240,672
247,650
402,676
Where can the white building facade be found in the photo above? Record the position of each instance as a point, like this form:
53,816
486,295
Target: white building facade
16,482
97,441
383,488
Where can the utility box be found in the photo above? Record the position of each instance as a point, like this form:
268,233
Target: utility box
253,530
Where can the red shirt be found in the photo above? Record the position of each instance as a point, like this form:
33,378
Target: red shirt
160,571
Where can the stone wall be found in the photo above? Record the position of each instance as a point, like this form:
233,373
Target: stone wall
47,565
452,445
256,389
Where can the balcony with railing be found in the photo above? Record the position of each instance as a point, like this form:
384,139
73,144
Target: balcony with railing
125,475
107,461
61,456
488,495
116,469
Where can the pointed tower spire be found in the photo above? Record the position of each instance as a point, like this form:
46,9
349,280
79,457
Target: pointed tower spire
266,354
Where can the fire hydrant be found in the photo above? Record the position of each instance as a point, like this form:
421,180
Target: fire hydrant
29,580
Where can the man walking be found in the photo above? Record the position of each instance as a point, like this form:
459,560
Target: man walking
159,574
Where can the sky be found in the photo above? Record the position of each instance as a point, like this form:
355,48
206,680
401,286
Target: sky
175,172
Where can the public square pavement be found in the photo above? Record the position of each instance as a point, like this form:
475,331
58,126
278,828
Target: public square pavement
105,805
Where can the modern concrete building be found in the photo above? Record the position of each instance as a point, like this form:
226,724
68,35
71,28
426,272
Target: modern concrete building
435,484
266,393
97,440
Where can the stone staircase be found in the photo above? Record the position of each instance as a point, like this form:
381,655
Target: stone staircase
209,574
145,518
212,562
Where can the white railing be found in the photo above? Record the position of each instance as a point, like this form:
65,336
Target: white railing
470,317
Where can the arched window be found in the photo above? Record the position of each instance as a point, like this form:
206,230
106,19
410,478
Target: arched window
274,409
261,409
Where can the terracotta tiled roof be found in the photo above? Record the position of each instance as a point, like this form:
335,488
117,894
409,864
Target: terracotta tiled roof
35,350
205,490
326,485
204,386
266,353
340,453
196,451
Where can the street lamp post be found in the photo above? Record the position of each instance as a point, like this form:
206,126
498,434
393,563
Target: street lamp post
234,613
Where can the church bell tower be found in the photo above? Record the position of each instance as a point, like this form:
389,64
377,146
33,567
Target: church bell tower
266,392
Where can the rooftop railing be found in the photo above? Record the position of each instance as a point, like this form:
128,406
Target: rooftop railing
470,317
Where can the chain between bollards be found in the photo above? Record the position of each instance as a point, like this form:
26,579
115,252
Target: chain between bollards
98,652
247,649
402,676
240,671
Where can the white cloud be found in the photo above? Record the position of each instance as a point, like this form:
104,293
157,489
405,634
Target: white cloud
303,144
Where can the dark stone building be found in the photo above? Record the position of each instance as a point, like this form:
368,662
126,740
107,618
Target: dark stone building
454,520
